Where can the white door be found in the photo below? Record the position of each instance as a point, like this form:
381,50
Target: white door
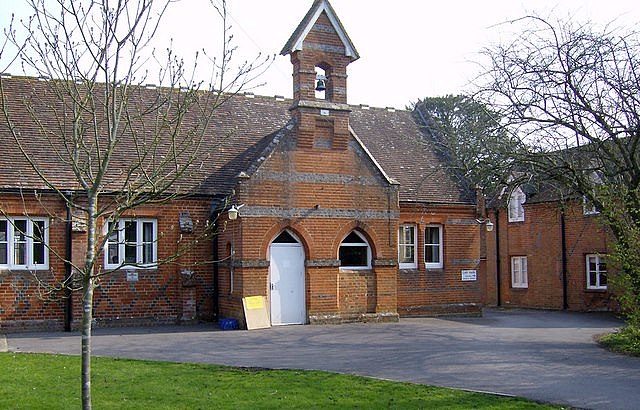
286,276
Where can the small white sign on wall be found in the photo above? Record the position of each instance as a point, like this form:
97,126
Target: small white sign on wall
132,276
469,275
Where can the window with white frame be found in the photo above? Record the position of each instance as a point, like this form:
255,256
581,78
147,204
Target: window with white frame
588,207
516,208
433,247
131,243
519,277
407,247
354,252
24,243
596,272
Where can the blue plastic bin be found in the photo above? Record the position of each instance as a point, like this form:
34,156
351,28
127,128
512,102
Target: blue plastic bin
228,324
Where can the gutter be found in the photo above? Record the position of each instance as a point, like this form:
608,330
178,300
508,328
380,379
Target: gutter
498,285
216,273
68,273
563,239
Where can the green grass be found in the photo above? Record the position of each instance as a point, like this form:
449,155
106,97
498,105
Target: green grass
626,340
33,381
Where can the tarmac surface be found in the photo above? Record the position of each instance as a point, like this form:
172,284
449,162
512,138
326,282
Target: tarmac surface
542,355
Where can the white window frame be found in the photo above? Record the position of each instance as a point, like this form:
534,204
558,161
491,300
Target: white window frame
440,245
139,244
519,272
404,246
29,241
516,208
598,259
588,207
359,244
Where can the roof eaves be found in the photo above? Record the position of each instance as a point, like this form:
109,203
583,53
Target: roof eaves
436,203
268,150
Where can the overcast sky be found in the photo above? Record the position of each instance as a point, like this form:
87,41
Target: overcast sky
408,48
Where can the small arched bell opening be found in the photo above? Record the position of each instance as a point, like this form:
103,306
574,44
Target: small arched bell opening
321,83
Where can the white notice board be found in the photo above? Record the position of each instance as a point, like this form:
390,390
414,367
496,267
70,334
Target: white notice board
469,275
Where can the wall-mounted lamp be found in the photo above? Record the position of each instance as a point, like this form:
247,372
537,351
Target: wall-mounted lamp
233,212
487,222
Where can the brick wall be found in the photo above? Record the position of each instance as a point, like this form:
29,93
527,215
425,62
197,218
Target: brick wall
320,195
439,291
27,299
539,238
585,235
157,296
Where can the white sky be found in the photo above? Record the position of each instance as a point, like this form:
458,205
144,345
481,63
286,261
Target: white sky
408,48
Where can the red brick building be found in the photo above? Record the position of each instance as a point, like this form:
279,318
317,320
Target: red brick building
345,214
550,253
323,191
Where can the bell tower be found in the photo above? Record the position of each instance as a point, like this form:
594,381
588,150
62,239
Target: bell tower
320,51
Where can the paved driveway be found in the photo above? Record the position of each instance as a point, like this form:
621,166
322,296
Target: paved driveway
547,356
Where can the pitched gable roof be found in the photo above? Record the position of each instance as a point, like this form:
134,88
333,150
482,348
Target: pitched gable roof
235,134
295,42
396,141
240,135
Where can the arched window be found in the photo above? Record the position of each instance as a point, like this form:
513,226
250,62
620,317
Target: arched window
355,252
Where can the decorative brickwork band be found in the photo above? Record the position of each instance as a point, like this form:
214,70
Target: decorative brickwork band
385,262
321,263
320,178
265,211
322,104
251,263
461,222
473,262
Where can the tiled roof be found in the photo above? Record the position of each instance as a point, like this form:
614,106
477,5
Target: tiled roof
237,132
241,134
396,141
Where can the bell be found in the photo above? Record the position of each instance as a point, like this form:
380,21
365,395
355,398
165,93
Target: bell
321,85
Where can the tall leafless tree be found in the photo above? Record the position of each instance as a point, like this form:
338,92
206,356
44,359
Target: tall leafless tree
95,57
571,93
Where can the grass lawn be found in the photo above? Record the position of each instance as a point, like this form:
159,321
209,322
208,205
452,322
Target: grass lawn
32,381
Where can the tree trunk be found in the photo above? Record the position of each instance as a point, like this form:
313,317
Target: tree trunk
88,285
87,317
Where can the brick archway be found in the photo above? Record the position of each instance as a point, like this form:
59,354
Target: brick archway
277,229
361,227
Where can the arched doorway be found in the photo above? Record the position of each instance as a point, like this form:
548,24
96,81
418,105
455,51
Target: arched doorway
287,281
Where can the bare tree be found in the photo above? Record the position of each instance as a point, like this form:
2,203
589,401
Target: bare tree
571,93
93,108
